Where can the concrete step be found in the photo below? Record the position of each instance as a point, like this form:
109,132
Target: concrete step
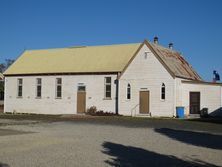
142,115
193,116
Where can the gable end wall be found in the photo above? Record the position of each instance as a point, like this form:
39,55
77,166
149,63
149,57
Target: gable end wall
146,74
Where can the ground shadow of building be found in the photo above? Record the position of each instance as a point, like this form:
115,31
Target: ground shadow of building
122,155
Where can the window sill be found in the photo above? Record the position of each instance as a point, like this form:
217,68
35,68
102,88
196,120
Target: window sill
58,98
107,98
162,100
19,97
38,97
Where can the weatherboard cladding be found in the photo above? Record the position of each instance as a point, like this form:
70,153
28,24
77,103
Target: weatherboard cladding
96,59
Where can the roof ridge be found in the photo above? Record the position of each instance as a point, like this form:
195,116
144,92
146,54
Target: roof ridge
84,46
44,49
116,44
166,48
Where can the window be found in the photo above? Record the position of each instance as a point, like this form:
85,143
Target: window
81,88
128,94
163,92
58,87
19,90
107,87
38,87
146,54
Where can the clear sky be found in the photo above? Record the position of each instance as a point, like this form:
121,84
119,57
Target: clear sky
194,26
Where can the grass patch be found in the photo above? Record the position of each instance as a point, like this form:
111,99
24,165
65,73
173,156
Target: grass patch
25,116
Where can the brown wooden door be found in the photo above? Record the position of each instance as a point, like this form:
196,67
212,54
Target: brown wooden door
144,102
194,102
81,102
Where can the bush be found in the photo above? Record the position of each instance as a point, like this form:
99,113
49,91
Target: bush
93,111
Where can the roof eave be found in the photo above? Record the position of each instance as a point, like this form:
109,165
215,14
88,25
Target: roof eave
64,73
201,82
188,78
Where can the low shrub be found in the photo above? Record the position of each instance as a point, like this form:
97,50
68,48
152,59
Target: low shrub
94,112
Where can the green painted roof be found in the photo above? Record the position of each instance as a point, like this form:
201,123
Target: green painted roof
107,58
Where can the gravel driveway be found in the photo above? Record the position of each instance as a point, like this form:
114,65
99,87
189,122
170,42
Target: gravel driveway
117,142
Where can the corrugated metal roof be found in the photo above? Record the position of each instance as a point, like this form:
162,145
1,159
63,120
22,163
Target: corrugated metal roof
175,62
107,58
93,59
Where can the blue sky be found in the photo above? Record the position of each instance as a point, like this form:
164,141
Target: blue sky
194,26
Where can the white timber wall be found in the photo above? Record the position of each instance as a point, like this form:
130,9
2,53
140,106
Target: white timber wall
48,104
147,74
178,91
210,97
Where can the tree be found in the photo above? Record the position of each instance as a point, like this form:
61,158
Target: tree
6,64
3,67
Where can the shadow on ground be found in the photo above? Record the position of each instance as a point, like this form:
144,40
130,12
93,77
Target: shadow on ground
6,132
212,125
194,138
214,120
4,165
132,156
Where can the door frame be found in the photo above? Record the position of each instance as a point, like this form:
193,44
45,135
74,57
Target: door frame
190,101
147,104
82,92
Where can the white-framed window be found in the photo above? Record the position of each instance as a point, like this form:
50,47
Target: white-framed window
19,87
128,92
38,87
58,87
81,87
108,82
163,92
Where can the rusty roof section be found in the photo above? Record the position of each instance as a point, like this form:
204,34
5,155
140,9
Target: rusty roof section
174,62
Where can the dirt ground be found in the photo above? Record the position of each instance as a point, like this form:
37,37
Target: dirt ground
45,140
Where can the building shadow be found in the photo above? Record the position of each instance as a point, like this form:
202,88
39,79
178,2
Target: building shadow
4,165
213,120
194,138
217,113
129,156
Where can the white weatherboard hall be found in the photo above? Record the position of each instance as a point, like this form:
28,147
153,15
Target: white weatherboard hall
129,79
